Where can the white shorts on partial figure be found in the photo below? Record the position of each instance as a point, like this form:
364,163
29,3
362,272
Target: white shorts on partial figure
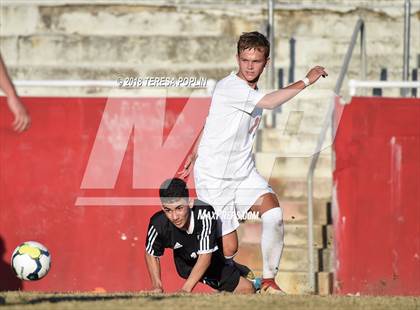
230,198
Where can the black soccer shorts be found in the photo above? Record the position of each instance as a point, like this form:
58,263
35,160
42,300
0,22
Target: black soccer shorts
226,278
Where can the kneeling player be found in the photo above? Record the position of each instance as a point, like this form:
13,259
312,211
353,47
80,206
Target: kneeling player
189,228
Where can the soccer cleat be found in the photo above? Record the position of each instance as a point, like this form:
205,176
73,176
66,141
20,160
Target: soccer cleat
257,284
269,287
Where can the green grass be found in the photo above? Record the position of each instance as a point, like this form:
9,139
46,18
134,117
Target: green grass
47,301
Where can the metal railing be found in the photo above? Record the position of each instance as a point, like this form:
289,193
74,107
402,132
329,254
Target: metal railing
359,28
406,49
270,32
67,83
355,84
112,84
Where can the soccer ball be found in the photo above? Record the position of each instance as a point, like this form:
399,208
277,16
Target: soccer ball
31,261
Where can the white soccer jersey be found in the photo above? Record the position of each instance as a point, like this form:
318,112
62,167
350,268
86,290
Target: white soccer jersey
225,149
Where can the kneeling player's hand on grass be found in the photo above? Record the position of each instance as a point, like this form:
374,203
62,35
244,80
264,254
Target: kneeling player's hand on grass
184,290
315,73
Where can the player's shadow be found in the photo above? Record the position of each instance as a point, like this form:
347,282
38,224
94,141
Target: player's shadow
142,296
8,279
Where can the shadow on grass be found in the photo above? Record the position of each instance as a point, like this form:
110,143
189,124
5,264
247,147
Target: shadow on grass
58,299
8,279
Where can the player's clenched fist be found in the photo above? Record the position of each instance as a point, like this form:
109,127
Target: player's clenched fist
315,73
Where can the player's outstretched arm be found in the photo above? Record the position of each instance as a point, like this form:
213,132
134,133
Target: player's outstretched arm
153,266
200,267
22,119
276,98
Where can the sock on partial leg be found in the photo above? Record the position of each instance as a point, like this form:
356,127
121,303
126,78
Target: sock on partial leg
272,241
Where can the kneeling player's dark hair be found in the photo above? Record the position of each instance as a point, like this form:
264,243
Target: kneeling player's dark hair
173,189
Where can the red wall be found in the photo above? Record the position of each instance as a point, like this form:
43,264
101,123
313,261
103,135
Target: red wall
83,181
44,172
377,183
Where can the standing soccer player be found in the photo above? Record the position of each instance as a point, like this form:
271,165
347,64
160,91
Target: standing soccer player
224,170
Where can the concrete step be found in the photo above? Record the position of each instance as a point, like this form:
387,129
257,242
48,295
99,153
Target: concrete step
293,258
295,145
315,93
296,211
322,88
377,61
133,20
324,282
292,276
298,122
293,282
315,103
295,235
163,51
296,188
126,18
297,282
270,165
327,259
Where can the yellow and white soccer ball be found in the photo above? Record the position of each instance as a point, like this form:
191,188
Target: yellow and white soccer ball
31,261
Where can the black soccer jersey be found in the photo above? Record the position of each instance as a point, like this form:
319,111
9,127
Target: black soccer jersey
199,238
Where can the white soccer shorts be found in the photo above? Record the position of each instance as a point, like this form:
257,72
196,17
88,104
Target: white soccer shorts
230,198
